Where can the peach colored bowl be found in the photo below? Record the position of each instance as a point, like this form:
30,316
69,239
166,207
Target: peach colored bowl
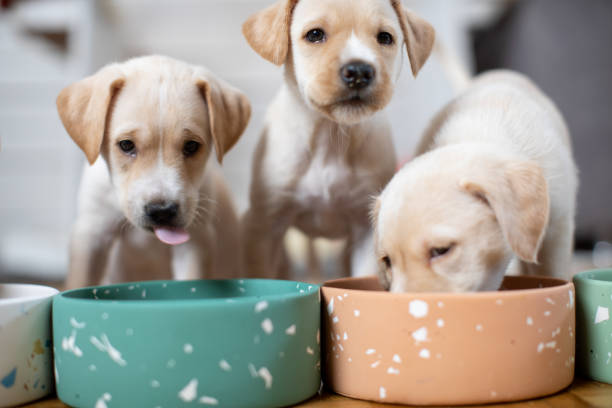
448,348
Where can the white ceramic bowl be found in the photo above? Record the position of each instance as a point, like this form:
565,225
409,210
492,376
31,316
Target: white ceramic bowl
26,354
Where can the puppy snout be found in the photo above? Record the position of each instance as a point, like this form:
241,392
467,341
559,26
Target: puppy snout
357,75
162,213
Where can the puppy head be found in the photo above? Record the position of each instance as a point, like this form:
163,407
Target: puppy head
155,121
341,54
455,228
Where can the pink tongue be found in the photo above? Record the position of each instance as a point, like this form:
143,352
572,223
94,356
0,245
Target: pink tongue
172,236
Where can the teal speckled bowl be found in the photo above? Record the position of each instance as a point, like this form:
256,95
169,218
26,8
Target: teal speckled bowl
226,343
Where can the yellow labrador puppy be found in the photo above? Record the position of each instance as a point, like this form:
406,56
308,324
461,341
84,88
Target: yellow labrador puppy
326,146
493,188
151,205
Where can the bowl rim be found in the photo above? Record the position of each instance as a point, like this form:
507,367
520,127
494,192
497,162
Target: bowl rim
559,284
593,276
43,292
225,301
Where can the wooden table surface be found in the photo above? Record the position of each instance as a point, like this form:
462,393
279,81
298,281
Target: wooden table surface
581,394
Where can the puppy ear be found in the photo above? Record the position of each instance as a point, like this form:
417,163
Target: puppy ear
267,31
229,112
518,195
419,36
84,106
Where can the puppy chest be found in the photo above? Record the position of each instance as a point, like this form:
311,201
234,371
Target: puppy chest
329,197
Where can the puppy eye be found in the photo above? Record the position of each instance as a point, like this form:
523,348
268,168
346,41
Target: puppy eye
127,146
190,148
384,38
315,36
387,261
440,251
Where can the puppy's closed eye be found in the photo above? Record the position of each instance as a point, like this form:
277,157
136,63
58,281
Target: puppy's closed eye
385,273
438,252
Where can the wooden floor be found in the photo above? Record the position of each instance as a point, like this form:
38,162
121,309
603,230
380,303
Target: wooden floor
581,394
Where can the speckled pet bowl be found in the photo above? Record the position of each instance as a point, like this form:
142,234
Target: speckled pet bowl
226,343
25,343
593,325
445,348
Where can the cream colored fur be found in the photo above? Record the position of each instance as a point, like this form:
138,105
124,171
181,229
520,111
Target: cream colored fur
159,104
321,155
493,187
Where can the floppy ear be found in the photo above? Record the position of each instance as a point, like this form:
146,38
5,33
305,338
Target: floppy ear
419,36
229,112
84,108
518,195
267,31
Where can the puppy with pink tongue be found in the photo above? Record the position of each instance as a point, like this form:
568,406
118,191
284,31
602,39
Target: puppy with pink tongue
151,203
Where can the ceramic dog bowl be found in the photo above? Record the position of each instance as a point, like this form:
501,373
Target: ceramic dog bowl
226,343
593,326
25,343
448,348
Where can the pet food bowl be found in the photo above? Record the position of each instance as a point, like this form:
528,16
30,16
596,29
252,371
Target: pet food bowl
25,340
226,343
448,348
593,325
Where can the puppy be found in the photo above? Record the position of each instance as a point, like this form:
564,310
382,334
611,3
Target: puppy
493,188
151,205
326,147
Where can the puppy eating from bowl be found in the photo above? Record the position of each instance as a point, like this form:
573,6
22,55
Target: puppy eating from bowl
151,204
326,146
491,191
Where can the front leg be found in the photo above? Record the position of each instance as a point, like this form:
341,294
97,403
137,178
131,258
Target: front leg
264,250
90,245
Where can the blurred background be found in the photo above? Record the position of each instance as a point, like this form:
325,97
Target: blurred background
563,45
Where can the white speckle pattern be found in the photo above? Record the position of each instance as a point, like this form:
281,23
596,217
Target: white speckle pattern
104,316
424,353
335,319
104,345
340,298
550,301
420,334
418,308
499,302
345,337
101,402
370,351
68,344
393,370
602,314
193,290
440,322
208,400
225,366
547,313
330,307
382,392
556,332
129,332
356,313
571,299
171,363
550,345
529,321
309,350
144,293
479,327
267,326
290,331
77,325
261,306
375,364
92,367
190,392
155,384
493,394
263,373
188,348
440,304
397,358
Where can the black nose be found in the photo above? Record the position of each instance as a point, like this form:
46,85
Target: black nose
357,75
161,213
